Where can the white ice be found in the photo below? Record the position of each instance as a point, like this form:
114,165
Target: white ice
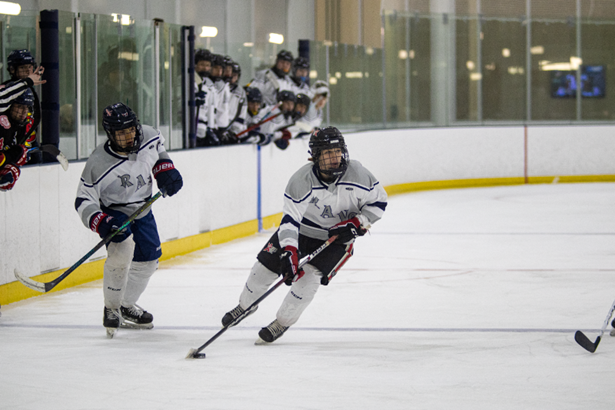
459,299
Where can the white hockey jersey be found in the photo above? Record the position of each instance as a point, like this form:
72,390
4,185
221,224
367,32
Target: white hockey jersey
206,113
311,206
223,97
269,84
119,181
238,109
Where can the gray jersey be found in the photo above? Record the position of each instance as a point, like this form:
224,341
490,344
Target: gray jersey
119,181
311,206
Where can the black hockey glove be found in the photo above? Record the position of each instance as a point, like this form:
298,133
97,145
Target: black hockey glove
289,265
169,179
228,137
348,230
199,98
104,224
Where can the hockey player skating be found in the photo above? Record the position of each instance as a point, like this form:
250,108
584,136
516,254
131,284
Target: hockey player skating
116,181
333,195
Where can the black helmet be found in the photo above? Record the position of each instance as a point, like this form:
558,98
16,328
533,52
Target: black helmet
303,99
118,117
237,70
301,62
286,95
254,94
324,139
218,60
202,55
18,58
285,55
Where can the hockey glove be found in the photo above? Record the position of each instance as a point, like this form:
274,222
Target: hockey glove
9,174
348,230
228,137
18,155
169,179
199,98
289,264
104,224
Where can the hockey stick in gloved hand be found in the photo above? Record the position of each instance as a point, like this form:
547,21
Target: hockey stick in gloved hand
584,340
47,286
196,353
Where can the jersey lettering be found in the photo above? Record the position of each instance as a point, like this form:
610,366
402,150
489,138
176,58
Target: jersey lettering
315,202
125,180
327,213
140,182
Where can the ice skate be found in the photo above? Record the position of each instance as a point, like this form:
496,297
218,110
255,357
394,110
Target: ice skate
228,318
271,333
136,318
111,321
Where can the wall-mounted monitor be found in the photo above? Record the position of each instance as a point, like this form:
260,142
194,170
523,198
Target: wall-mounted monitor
593,82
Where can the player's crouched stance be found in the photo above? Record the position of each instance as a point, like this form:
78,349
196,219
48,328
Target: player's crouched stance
116,181
331,196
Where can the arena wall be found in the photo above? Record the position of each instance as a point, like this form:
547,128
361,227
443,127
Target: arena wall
41,234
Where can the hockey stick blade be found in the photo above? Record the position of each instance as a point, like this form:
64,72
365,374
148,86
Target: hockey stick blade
37,286
47,286
585,343
53,150
196,353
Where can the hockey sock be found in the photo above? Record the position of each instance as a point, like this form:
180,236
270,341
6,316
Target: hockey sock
301,294
138,278
257,284
119,256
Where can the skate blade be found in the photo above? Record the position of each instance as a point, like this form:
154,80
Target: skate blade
111,331
144,326
261,342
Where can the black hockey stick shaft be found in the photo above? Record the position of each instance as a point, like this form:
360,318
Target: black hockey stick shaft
584,341
47,286
195,353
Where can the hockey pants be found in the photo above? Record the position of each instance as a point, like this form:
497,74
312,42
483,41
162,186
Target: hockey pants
298,298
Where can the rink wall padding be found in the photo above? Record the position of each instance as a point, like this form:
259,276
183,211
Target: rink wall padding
41,234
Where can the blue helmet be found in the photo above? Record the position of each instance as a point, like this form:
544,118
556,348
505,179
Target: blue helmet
254,94
25,98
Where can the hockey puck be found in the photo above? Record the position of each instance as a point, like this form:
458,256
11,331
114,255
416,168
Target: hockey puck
193,354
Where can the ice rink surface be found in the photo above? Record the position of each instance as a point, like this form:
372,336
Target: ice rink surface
459,299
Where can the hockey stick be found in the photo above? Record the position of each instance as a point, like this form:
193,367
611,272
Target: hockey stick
53,150
47,286
253,126
196,353
584,340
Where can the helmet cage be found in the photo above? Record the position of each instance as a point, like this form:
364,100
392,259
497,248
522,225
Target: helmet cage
325,139
118,117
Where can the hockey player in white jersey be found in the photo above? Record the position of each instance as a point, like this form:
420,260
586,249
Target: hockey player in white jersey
237,107
116,181
205,100
314,115
301,76
332,195
274,79
276,130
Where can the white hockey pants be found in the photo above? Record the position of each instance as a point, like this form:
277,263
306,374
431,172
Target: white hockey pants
300,295
124,280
